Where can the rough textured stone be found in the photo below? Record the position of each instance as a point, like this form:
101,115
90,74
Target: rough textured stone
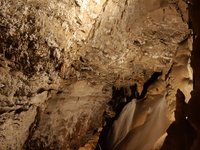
72,114
59,60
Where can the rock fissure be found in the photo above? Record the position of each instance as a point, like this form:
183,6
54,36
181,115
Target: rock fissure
32,129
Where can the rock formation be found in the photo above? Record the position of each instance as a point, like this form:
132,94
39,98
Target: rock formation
62,61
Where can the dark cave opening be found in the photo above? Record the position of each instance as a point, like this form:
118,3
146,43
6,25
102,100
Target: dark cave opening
121,96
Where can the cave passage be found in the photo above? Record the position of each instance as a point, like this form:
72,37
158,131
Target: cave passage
121,97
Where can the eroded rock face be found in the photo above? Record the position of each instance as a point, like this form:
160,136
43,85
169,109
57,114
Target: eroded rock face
36,52
71,115
38,36
59,60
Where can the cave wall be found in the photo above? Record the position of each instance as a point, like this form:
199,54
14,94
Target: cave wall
185,128
49,50
38,42
39,33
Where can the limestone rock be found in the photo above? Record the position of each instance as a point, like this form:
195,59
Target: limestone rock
59,60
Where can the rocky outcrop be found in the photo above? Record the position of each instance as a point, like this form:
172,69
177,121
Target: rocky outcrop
71,117
38,43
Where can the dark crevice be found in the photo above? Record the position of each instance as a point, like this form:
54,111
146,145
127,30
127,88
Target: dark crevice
169,72
29,144
121,96
149,82
40,90
22,109
179,11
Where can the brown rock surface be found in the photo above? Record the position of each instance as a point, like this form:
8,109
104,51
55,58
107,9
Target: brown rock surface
59,60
